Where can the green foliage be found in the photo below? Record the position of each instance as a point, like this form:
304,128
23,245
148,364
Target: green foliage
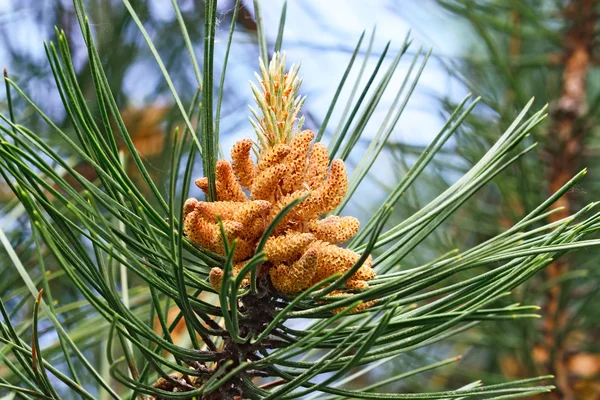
246,341
520,49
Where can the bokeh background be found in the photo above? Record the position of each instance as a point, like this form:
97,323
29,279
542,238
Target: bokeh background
504,51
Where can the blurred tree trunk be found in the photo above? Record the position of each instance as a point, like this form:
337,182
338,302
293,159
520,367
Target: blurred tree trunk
565,147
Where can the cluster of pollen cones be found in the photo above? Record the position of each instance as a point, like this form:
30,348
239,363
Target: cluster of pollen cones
304,249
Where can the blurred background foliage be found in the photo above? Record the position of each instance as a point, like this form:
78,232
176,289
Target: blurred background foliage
504,51
547,49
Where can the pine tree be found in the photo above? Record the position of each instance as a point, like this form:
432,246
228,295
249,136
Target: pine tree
275,295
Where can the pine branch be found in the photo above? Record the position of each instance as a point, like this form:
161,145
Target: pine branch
240,269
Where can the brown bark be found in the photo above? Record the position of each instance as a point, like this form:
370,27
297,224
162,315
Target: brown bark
566,143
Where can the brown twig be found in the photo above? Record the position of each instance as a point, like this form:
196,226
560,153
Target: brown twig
272,384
